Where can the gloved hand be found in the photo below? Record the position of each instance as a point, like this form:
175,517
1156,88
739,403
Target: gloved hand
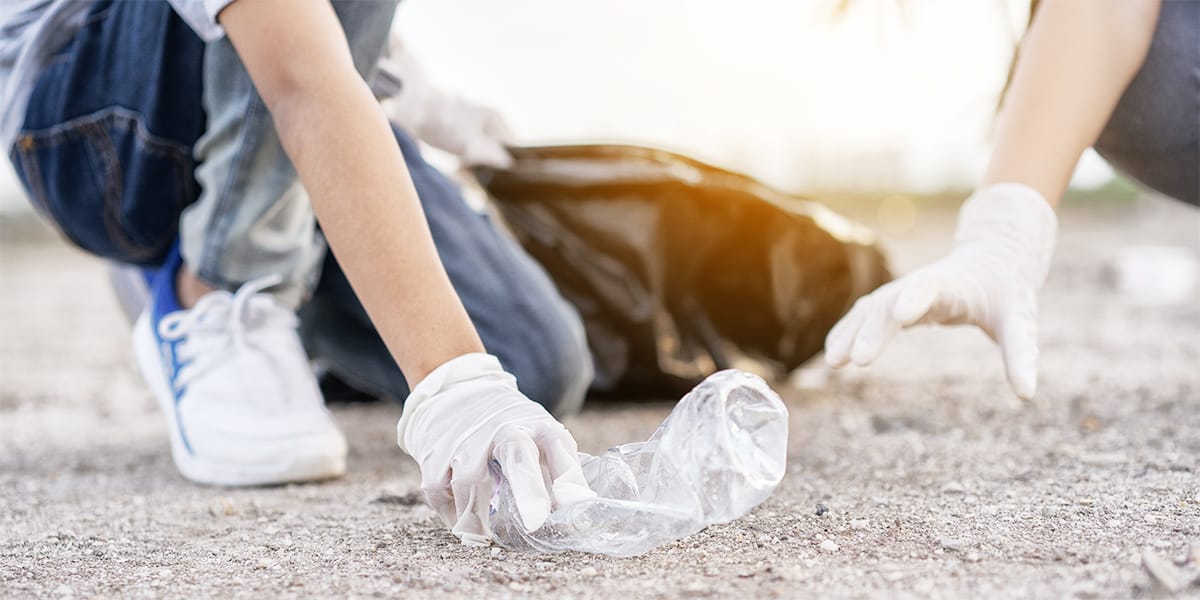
468,412
475,134
1001,254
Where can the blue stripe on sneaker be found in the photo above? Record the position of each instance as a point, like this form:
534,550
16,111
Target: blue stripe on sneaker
163,302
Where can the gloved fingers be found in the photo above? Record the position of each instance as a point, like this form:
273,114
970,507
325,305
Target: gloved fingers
496,128
915,300
561,455
876,331
841,338
472,503
487,152
442,502
518,455
1019,345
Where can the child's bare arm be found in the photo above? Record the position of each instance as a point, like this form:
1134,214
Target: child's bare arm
343,149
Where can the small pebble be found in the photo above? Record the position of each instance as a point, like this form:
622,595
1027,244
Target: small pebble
829,546
953,487
588,571
821,509
1162,572
792,573
221,507
1103,459
859,524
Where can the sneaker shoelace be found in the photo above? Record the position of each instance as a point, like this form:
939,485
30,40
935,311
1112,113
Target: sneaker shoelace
221,323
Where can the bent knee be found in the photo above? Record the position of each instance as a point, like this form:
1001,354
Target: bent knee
554,367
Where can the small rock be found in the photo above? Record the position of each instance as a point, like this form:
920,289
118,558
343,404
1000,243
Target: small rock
495,551
821,509
953,544
923,587
859,524
263,564
829,546
1103,459
221,507
1162,572
972,557
1113,523
954,487
588,571
792,573
164,573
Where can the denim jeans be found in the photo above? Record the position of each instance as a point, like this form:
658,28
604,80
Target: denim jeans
1154,132
138,133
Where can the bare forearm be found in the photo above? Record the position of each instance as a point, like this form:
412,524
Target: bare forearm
1075,62
352,168
337,137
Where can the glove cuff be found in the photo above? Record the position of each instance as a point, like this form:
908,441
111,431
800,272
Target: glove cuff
1014,216
454,371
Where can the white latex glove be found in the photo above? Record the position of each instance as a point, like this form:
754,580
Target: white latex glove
468,412
1002,251
477,135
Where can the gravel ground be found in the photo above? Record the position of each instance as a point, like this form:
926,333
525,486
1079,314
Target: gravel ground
919,477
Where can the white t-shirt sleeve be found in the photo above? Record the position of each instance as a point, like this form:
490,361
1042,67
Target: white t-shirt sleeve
201,16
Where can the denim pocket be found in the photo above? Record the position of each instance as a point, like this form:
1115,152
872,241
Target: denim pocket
113,188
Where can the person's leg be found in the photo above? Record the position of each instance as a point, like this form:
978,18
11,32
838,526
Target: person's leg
105,150
111,115
518,312
253,217
1153,134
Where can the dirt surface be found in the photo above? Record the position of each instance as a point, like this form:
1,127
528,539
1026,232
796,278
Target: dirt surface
918,477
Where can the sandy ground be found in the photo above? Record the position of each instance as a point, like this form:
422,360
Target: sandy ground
930,479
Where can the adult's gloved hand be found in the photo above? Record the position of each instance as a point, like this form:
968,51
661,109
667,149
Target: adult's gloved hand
477,135
1001,254
468,412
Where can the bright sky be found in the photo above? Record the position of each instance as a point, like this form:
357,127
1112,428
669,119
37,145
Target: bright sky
894,94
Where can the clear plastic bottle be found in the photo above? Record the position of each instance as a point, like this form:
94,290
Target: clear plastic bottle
720,453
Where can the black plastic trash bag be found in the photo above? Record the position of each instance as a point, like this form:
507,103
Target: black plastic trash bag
680,268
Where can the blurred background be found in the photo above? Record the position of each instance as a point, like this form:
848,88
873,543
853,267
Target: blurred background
820,97
814,96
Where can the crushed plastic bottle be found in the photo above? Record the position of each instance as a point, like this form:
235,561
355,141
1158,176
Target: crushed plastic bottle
720,453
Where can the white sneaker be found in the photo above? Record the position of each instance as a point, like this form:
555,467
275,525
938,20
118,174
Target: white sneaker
241,402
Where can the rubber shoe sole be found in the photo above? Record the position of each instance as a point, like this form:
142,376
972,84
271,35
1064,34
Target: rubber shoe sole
325,457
